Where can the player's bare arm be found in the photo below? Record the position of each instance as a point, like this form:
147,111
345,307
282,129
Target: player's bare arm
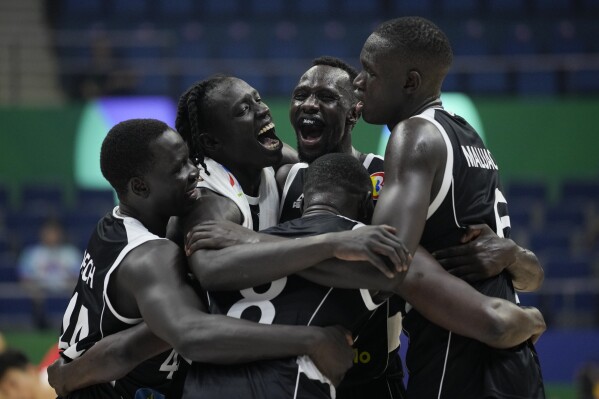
208,206
172,310
414,165
484,255
175,318
445,300
117,353
244,266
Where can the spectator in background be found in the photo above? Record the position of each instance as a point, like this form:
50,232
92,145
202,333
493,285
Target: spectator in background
48,268
20,379
587,381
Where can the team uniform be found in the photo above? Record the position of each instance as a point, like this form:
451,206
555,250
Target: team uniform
377,370
293,190
90,315
442,364
290,300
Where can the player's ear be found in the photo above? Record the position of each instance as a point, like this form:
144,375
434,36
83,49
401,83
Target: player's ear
366,208
413,81
353,115
138,186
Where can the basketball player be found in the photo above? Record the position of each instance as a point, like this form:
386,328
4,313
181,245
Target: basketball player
323,113
439,178
130,273
331,188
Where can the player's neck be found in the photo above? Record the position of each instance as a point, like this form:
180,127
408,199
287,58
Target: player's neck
320,209
149,219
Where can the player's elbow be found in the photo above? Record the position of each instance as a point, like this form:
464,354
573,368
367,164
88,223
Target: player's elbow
501,325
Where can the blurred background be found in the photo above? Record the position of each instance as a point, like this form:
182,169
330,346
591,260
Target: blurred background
527,70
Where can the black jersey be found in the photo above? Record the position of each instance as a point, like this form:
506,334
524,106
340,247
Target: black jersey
293,190
290,300
90,315
442,364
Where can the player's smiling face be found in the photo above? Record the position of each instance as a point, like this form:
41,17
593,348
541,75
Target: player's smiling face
320,109
242,125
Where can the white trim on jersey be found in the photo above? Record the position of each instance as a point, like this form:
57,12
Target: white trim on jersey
137,234
288,181
429,115
368,160
444,365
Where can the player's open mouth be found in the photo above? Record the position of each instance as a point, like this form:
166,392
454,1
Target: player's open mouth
268,138
310,130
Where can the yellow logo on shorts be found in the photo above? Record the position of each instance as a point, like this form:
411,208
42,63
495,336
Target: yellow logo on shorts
378,181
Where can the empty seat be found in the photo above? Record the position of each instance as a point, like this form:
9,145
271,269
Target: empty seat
536,83
413,7
551,240
95,199
567,267
564,216
581,191
529,190
488,83
41,199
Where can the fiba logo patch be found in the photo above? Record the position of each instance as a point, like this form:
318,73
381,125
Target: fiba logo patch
378,181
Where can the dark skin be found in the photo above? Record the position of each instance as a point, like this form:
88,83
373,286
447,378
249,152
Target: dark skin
448,301
324,94
392,90
151,283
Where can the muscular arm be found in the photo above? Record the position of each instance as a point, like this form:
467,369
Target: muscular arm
155,277
483,254
414,164
443,299
243,266
152,278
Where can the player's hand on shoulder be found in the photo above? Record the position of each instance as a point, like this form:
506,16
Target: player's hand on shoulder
332,352
217,235
481,255
376,244
55,377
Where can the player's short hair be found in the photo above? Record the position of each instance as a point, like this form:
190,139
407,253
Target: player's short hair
419,39
336,170
192,117
336,63
126,151
12,359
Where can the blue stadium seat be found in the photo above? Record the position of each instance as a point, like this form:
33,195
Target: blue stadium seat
41,199
57,305
182,8
563,215
214,8
77,8
521,218
15,306
536,83
452,82
413,7
8,268
313,7
550,240
553,7
567,267
529,299
360,8
487,83
513,8
460,7
583,82
582,191
95,199
529,190
129,8
265,8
